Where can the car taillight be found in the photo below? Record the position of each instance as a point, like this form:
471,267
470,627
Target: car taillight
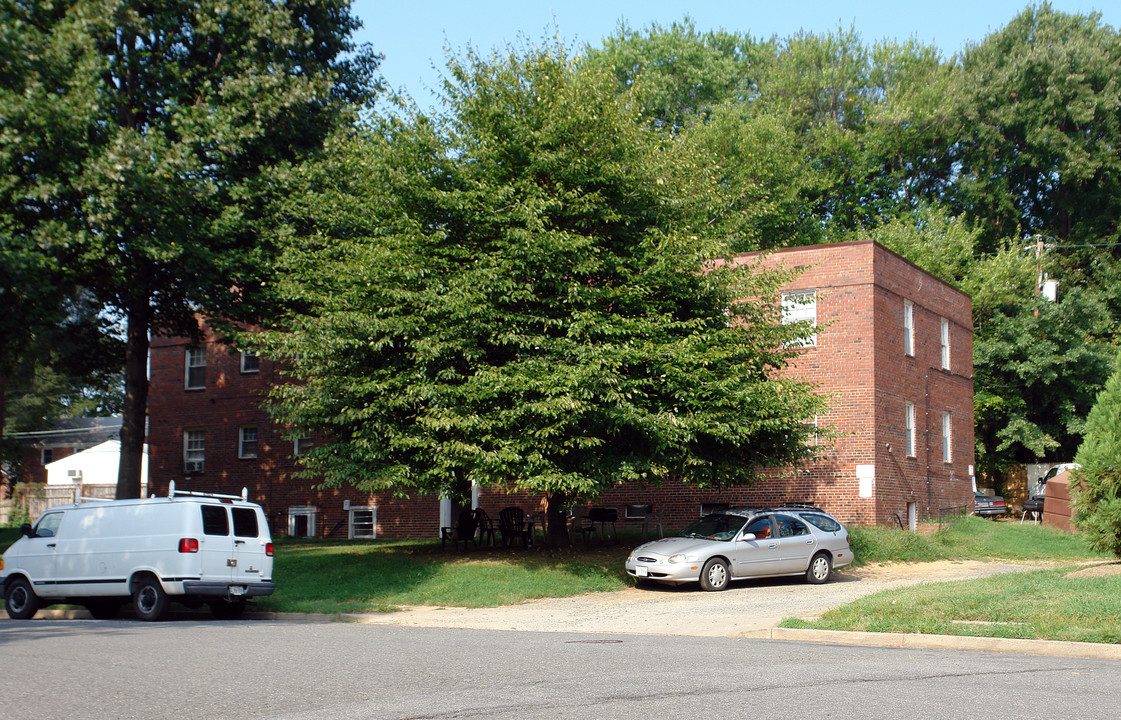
188,545
268,549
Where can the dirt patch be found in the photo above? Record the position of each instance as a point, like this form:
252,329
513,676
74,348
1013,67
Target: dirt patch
1103,570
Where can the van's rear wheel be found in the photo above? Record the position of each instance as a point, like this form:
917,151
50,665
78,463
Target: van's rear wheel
149,601
227,610
20,600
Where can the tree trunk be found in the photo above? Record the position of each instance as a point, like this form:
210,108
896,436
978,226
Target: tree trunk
135,409
556,519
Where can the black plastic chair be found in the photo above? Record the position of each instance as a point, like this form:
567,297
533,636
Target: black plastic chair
464,530
512,526
486,528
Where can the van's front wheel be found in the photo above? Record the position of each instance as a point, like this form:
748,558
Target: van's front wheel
20,600
149,601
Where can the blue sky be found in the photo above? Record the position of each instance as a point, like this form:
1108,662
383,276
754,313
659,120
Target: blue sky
412,34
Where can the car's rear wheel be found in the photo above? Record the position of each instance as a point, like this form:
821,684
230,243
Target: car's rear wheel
149,601
714,575
820,568
20,600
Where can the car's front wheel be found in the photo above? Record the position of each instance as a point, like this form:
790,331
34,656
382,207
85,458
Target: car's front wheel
20,600
820,568
715,575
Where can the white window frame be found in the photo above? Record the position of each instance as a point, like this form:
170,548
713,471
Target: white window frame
195,359
301,445
194,451
909,429
908,328
945,342
354,534
250,363
46,456
247,442
947,438
308,511
800,306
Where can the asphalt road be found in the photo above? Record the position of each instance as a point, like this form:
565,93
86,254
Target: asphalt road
189,669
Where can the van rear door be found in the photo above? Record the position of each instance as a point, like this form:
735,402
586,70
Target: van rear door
251,561
216,549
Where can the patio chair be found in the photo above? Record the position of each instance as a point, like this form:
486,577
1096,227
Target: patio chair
464,530
512,526
486,528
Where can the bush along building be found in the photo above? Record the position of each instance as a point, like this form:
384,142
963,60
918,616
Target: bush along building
892,351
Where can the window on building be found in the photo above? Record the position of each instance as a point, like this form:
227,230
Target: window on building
363,522
908,328
302,445
194,450
247,443
196,368
945,344
250,363
46,455
909,429
800,306
301,520
947,456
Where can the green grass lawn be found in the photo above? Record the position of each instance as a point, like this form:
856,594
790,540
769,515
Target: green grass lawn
348,576
1051,604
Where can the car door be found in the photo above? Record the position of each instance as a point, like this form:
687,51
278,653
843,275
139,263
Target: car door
39,555
759,555
216,549
797,543
249,552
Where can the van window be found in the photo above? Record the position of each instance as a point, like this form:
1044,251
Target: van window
245,522
215,521
48,525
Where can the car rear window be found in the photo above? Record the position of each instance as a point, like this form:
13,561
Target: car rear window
215,521
824,522
245,522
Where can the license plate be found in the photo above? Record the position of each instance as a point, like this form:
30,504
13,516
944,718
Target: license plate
642,572
237,590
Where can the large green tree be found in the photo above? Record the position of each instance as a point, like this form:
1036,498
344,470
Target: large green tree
1097,483
1040,109
139,142
512,294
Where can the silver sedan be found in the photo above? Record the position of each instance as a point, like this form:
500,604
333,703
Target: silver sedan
746,543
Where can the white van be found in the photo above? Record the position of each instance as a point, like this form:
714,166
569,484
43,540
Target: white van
187,547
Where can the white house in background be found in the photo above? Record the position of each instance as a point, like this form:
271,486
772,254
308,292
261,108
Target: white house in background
97,465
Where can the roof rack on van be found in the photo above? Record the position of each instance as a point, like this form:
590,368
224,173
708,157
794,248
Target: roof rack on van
172,492
87,498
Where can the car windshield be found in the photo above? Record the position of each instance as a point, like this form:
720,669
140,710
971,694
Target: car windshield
716,527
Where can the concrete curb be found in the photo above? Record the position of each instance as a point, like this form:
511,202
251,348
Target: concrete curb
1013,646
1017,646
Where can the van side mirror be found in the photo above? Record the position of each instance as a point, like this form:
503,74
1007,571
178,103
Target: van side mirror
26,530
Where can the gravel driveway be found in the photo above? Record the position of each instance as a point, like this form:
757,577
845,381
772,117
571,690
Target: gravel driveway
742,609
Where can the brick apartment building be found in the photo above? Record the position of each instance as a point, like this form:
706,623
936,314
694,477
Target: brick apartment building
893,351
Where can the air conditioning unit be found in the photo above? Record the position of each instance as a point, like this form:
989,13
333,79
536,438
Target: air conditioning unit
194,466
74,474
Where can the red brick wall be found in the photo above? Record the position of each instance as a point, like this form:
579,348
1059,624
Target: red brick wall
858,362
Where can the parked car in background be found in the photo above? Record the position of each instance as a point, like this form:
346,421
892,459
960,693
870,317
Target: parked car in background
989,506
746,543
